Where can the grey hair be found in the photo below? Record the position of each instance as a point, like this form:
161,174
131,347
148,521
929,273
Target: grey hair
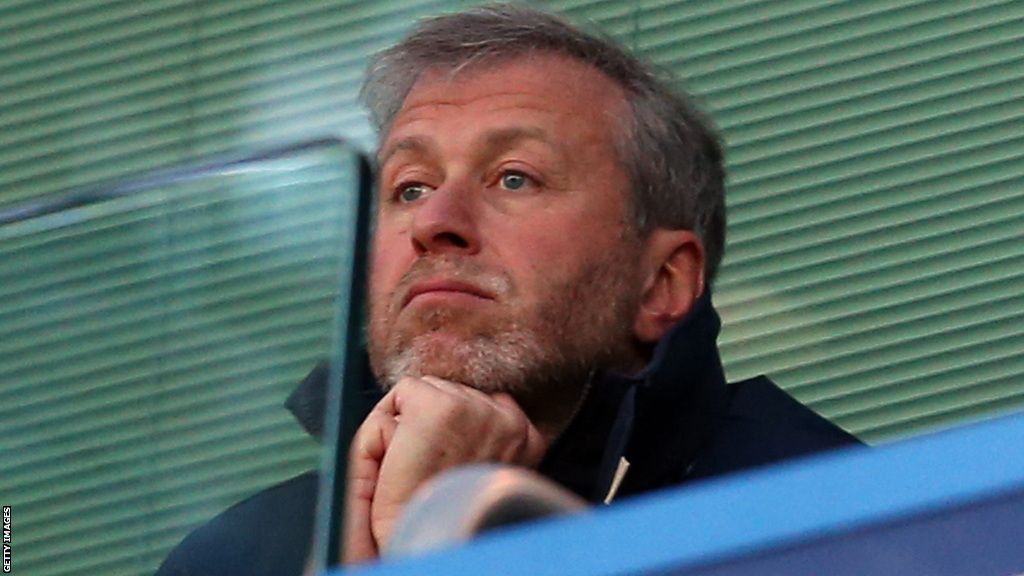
670,150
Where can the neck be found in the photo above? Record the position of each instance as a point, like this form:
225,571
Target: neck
552,412
554,409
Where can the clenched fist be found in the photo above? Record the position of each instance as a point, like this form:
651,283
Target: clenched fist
424,426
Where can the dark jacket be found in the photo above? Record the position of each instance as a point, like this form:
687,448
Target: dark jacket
678,420
674,422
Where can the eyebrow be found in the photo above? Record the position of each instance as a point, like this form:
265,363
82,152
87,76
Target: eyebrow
506,137
418,145
498,139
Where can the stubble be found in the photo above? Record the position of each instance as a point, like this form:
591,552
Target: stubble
542,354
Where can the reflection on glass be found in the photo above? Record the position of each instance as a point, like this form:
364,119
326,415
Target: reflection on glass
149,337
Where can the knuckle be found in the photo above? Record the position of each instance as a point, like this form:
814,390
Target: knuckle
448,404
521,428
402,383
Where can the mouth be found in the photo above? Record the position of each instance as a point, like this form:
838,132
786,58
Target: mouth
445,289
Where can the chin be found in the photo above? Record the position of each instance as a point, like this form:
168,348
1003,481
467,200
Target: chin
487,364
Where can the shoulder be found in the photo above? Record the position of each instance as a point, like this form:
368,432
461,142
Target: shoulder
764,424
268,533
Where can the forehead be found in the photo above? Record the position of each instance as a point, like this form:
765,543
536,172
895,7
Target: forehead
559,91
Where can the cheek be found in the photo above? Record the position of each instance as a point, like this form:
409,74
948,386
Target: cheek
565,243
553,261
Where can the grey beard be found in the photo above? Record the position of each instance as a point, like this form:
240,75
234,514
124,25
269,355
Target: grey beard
541,356
500,363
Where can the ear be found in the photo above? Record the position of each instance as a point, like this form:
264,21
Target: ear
674,267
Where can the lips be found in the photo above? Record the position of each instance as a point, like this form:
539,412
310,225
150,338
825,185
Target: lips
442,286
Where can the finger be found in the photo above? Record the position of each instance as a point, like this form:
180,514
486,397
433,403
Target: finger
366,452
377,431
453,388
506,400
465,391
359,544
501,413
531,450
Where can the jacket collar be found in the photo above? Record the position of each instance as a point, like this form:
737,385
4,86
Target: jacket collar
658,420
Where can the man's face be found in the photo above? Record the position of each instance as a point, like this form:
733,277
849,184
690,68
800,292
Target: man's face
502,257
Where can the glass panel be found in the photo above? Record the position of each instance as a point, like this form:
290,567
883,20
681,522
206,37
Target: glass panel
150,333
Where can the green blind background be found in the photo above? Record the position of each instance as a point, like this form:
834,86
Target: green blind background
876,204
876,199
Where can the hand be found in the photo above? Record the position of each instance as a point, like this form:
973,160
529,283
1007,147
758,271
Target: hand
424,426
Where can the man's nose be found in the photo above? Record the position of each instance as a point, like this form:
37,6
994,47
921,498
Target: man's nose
446,221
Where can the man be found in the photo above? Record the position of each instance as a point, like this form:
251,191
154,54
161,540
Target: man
550,217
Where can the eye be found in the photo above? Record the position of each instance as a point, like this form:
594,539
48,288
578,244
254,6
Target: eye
514,180
412,192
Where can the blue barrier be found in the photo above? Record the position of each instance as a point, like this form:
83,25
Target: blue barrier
948,503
